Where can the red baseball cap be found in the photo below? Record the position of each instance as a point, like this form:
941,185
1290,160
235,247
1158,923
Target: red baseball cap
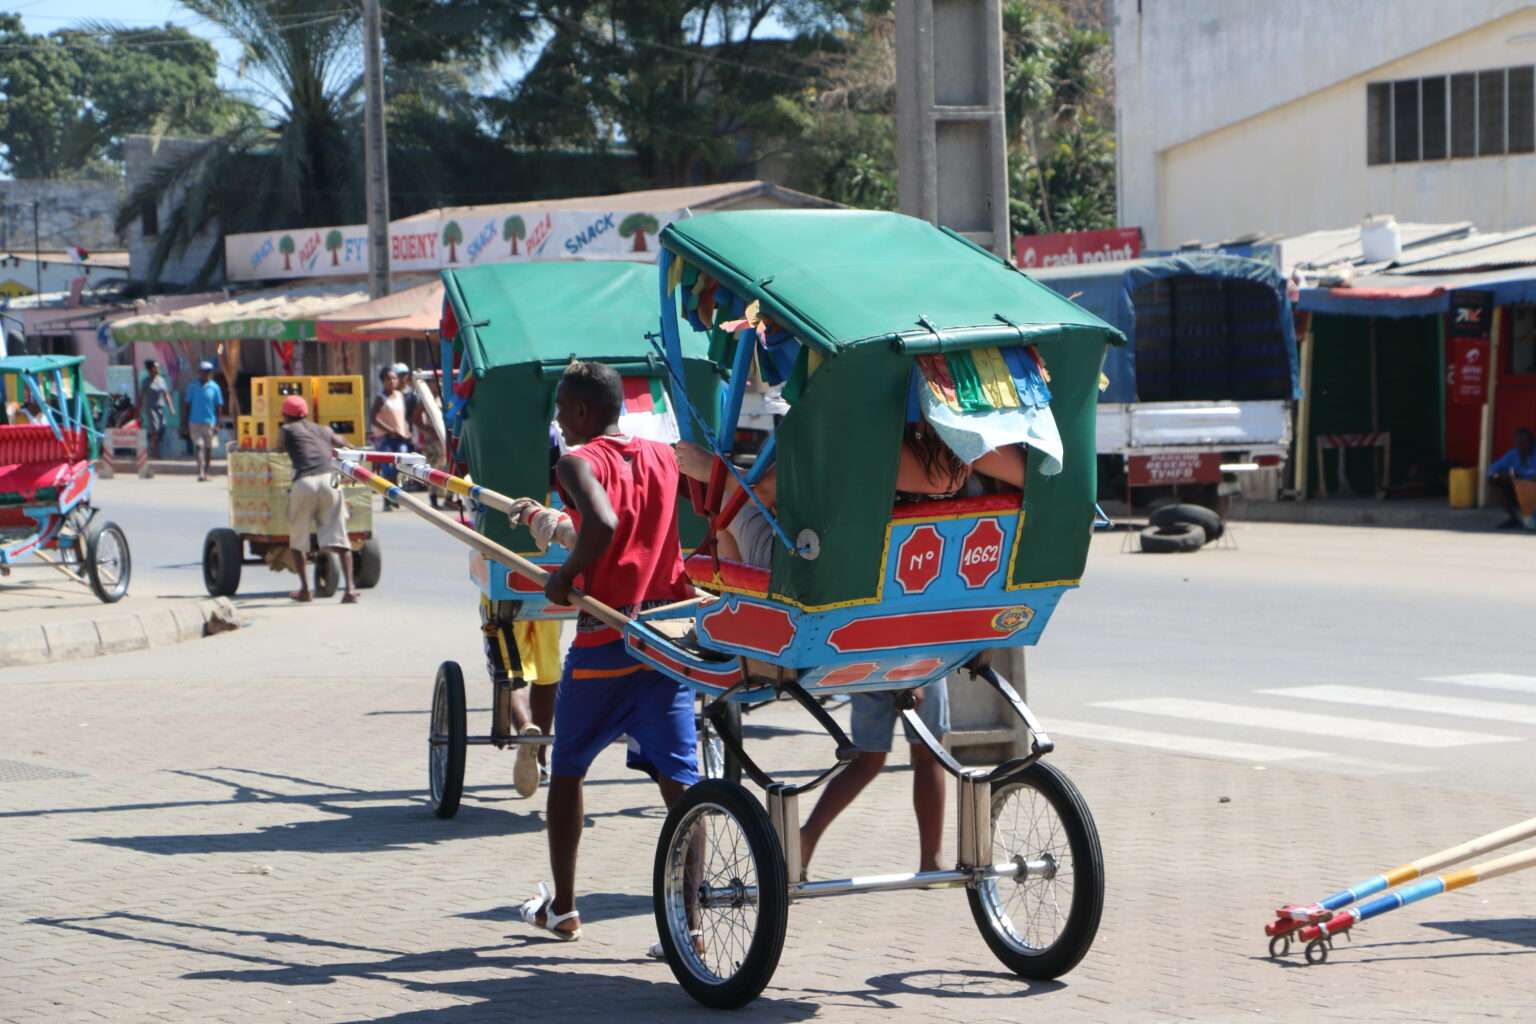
294,405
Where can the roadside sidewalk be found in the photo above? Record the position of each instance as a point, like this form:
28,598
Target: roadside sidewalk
1410,513
46,618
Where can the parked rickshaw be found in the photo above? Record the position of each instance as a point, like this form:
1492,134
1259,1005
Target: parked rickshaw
47,473
872,321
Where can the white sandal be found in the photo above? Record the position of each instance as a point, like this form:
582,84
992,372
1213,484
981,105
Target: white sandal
657,953
531,909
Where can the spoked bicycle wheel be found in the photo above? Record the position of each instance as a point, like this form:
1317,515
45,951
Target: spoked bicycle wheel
721,894
1041,925
446,743
108,564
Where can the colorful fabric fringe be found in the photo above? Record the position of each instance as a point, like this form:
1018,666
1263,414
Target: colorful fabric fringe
981,399
646,412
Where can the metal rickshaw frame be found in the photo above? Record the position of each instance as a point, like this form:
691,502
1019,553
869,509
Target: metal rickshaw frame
48,489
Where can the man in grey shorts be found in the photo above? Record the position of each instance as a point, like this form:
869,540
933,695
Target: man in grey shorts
315,505
873,720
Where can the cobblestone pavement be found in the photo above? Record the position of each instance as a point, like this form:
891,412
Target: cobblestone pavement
174,848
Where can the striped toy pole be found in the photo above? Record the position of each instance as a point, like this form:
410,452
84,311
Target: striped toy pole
1292,917
1315,935
485,546
415,466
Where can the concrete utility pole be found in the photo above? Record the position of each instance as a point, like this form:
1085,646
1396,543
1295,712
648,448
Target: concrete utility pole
952,155
377,172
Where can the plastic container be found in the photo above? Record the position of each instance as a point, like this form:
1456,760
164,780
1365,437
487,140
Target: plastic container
1380,239
1463,488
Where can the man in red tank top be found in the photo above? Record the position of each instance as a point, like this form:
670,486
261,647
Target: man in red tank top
621,531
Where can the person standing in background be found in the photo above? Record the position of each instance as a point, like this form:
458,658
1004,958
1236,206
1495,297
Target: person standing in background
389,429
155,406
204,398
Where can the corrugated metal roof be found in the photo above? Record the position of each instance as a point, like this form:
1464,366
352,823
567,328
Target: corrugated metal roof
1496,251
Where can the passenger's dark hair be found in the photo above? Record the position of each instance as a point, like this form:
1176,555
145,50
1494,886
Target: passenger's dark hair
938,460
597,384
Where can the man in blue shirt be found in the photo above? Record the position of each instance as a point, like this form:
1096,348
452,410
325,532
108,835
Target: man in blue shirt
1517,464
204,397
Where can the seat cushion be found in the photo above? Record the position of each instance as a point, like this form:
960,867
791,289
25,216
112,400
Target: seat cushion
26,480
732,575
22,443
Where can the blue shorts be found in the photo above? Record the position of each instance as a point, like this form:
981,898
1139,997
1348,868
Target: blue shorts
605,694
873,716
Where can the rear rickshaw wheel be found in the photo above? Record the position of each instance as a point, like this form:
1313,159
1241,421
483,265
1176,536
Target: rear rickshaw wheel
223,555
446,742
1041,925
368,564
108,565
721,894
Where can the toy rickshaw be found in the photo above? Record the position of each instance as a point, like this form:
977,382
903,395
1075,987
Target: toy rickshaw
869,321
47,473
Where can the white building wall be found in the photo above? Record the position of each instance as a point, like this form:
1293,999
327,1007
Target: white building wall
1197,79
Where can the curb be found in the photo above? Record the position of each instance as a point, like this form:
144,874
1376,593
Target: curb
92,638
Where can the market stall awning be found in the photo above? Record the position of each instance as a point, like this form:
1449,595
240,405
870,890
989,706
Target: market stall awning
412,313
274,314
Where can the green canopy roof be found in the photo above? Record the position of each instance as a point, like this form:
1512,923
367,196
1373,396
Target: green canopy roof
844,277
514,313
38,364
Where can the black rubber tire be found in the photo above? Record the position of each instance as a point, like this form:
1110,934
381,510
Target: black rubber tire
1183,537
367,564
448,720
1087,906
756,968
327,573
108,590
223,555
1196,515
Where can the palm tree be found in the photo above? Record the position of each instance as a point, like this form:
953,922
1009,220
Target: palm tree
290,158
513,229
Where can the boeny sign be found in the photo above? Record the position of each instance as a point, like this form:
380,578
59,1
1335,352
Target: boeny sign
463,238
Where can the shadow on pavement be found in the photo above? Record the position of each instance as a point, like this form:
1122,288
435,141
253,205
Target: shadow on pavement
594,907
880,991
529,983
1518,930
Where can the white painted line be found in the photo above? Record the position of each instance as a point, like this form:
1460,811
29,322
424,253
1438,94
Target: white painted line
1276,720
1397,700
1490,681
1226,750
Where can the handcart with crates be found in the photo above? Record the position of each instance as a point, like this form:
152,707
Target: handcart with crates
260,475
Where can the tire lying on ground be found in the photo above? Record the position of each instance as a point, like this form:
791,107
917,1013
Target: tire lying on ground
1195,515
1160,540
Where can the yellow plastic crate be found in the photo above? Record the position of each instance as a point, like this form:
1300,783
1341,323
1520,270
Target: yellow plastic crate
341,404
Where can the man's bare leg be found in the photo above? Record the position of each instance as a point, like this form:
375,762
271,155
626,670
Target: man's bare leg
541,706
840,792
297,564
349,594
928,801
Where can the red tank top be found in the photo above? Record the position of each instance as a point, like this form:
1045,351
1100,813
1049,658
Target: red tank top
644,561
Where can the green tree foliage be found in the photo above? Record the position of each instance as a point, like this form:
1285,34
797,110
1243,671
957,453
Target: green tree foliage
333,243
1061,142
639,225
285,246
70,97
453,237
692,85
513,230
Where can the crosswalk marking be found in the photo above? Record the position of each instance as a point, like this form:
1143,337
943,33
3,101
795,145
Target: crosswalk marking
1490,681
1276,720
1228,750
1398,700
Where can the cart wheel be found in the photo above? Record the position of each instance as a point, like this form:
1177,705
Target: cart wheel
1041,925
327,573
1317,952
223,554
367,564
445,753
719,872
715,760
1279,946
107,562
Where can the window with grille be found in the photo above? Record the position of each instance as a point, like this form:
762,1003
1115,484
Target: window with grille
1458,116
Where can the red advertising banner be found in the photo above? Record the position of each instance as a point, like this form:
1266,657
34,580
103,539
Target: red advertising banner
1073,247
1167,468
1469,371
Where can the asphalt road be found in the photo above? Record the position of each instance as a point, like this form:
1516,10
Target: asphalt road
1346,650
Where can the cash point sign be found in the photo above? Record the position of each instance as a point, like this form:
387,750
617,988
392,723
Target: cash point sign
1073,247
462,238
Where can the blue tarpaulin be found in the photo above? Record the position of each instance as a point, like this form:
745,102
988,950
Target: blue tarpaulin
1399,295
1111,291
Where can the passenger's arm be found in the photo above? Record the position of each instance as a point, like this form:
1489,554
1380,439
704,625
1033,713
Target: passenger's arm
912,478
598,522
1005,464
